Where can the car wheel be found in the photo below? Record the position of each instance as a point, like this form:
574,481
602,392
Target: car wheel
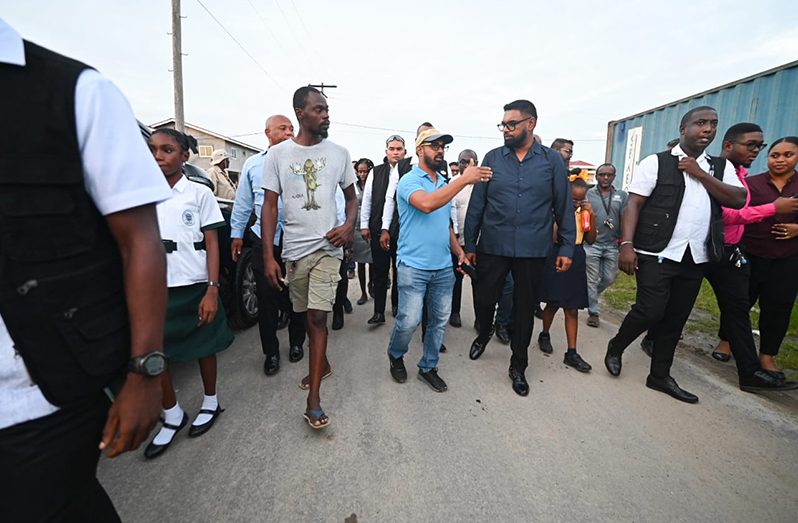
245,299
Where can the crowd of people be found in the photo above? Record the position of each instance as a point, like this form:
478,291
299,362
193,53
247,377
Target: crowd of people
516,225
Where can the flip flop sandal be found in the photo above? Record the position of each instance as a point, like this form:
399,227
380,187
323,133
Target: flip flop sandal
318,414
306,386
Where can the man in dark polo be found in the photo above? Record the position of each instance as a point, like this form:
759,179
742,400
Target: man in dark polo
671,230
512,218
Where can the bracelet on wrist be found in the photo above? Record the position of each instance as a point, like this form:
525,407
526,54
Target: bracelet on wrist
216,284
627,242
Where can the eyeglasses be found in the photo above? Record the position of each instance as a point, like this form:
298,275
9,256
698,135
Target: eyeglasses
753,146
436,146
510,126
395,138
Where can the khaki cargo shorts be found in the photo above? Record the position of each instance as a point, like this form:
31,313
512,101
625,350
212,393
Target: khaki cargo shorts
312,281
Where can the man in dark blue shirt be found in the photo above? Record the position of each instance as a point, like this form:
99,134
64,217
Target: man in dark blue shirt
509,224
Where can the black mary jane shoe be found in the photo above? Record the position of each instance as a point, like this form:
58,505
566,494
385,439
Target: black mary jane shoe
196,431
153,451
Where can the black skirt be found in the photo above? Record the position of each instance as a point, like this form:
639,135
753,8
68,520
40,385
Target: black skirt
567,290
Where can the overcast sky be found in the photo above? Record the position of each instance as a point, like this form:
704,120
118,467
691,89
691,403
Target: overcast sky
397,64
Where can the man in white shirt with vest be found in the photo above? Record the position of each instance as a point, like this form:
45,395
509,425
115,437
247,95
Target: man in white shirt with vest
670,232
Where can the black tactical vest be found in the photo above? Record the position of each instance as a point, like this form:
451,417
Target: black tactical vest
658,215
61,287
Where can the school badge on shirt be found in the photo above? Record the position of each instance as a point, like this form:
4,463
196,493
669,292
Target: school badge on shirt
188,218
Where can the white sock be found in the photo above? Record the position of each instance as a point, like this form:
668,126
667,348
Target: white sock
171,416
210,403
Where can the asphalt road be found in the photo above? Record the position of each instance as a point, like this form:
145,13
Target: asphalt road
578,448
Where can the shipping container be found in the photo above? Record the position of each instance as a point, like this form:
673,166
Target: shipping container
769,99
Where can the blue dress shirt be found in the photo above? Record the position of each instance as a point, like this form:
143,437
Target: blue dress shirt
249,196
512,215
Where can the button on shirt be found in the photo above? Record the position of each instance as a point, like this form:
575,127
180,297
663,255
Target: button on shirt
249,197
424,241
512,215
692,224
183,218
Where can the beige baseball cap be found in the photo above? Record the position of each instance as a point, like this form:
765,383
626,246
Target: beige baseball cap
432,135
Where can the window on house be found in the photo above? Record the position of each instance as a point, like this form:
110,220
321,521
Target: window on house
205,151
234,152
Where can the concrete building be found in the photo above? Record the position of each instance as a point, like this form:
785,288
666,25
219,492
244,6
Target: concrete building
208,141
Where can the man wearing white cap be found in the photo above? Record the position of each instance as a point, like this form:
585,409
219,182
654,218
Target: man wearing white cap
223,186
424,263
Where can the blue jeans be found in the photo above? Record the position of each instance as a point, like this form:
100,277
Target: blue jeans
417,286
602,269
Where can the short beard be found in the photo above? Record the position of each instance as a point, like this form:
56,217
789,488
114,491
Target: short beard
515,143
323,132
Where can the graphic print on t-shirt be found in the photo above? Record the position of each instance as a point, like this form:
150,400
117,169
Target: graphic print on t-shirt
309,171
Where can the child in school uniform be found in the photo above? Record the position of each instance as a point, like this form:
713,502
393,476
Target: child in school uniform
196,327
568,290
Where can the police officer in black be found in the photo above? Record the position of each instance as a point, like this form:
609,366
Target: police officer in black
672,229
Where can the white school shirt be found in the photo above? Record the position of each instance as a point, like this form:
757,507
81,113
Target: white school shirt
119,173
692,224
183,218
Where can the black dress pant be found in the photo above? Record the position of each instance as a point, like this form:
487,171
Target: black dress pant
730,284
527,275
271,302
342,289
382,262
457,292
48,467
775,284
666,293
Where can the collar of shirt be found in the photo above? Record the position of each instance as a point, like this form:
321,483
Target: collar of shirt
421,173
677,151
535,149
12,49
181,184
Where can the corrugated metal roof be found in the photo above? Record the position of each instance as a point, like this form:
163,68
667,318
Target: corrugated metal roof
769,98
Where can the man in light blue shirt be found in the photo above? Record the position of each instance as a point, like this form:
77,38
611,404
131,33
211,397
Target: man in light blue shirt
424,261
249,198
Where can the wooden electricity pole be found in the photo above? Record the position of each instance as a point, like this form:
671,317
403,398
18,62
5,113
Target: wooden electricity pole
177,67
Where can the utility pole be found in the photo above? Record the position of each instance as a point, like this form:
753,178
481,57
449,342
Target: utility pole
322,86
177,67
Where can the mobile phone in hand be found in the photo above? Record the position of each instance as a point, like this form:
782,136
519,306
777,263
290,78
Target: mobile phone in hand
470,270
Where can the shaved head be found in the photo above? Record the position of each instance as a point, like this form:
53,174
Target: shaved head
278,129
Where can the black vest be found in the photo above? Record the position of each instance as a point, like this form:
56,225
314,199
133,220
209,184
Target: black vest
379,187
658,216
61,287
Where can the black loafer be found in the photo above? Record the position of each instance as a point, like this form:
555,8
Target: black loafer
612,360
669,386
295,353
338,320
198,430
721,356
544,343
477,348
271,365
575,360
153,451
377,319
454,320
398,370
502,334
520,386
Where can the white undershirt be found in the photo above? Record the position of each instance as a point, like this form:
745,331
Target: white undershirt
120,173
692,224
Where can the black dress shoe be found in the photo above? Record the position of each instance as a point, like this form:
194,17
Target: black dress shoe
647,345
544,343
612,360
443,348
520,386
454,320
377,319
432,379
347,306
477,348
721,356
198,430
502,334
669,386
295,353
282,320
363,299
575,360
762,380
338,320
152,450
398,370
271,365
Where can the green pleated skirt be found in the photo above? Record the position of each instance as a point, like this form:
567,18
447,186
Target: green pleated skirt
183,339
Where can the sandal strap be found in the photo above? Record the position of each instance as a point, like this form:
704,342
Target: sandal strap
316,413
210,412
170,426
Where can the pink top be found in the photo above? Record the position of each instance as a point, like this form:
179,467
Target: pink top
735,220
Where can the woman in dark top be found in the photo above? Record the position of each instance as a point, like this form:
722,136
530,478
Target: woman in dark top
772,248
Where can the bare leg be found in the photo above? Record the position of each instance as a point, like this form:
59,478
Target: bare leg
169,397
723,347
207,367
548,316
361,276
571,326
317,332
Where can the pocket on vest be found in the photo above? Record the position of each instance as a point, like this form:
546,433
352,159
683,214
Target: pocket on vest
653,226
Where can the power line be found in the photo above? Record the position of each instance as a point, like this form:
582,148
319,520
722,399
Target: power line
241,46
266,26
